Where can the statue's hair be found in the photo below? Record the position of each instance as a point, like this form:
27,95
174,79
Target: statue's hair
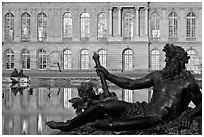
178,57
177,53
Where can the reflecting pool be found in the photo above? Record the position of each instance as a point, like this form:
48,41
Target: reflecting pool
26,108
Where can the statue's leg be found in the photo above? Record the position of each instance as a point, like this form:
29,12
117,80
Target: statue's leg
129,124
113,108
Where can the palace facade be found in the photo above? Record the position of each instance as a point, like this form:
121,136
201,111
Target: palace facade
42,37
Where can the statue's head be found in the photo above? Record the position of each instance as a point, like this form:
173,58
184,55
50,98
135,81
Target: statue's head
85,90
176,58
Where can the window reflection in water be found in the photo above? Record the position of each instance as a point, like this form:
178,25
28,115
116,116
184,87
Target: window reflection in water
67,97
24,129
26,110
40,124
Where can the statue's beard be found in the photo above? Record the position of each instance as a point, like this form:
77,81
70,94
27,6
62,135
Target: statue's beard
171,69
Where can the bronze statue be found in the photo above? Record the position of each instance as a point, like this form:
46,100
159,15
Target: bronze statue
173,89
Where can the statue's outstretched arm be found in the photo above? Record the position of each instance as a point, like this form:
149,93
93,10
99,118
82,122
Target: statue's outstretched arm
132,84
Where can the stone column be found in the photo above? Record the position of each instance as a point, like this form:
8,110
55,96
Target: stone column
182,31
33,25
119,21
75,24
136,22
164,26
17,25
3,26
93,25
146,21
110,22
199,26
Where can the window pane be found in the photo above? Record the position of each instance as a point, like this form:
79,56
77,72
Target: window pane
103,57
84,25
42,59
128,26
25,59
102,25
155,60
9,26
128,59
84,59
67,25
25,26
191,62
154,27
67,59
42,26
173,25
9,59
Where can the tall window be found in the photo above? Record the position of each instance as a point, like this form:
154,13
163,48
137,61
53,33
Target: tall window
67,59
67,25
42,59
26,59
127,59
155,59
102,25
25,26
84,25
173,26
84,59
42,26
128,26
154,27
191,62
103,57
9,26
9,59
190,26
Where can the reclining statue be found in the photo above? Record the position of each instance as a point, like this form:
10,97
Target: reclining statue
173,89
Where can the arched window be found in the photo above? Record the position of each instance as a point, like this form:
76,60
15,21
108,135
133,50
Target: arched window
102,25
42,59
67,59
103,57
84,59
155,59
127,59
42,26
25,26
190,26
127,95
154,27
128,26
67,25
26,59
9,26
173,26
191,61
84,28
9,59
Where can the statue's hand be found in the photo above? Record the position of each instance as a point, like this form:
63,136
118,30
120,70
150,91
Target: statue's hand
102,69
96,56
185,120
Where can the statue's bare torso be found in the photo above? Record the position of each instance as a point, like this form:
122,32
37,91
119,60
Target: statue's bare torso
170,97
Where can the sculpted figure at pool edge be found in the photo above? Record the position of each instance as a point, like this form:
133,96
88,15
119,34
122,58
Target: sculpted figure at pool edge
173,89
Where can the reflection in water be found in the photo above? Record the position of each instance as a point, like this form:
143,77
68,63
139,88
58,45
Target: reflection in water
128,95
67,97
25,127
27,109
40,124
